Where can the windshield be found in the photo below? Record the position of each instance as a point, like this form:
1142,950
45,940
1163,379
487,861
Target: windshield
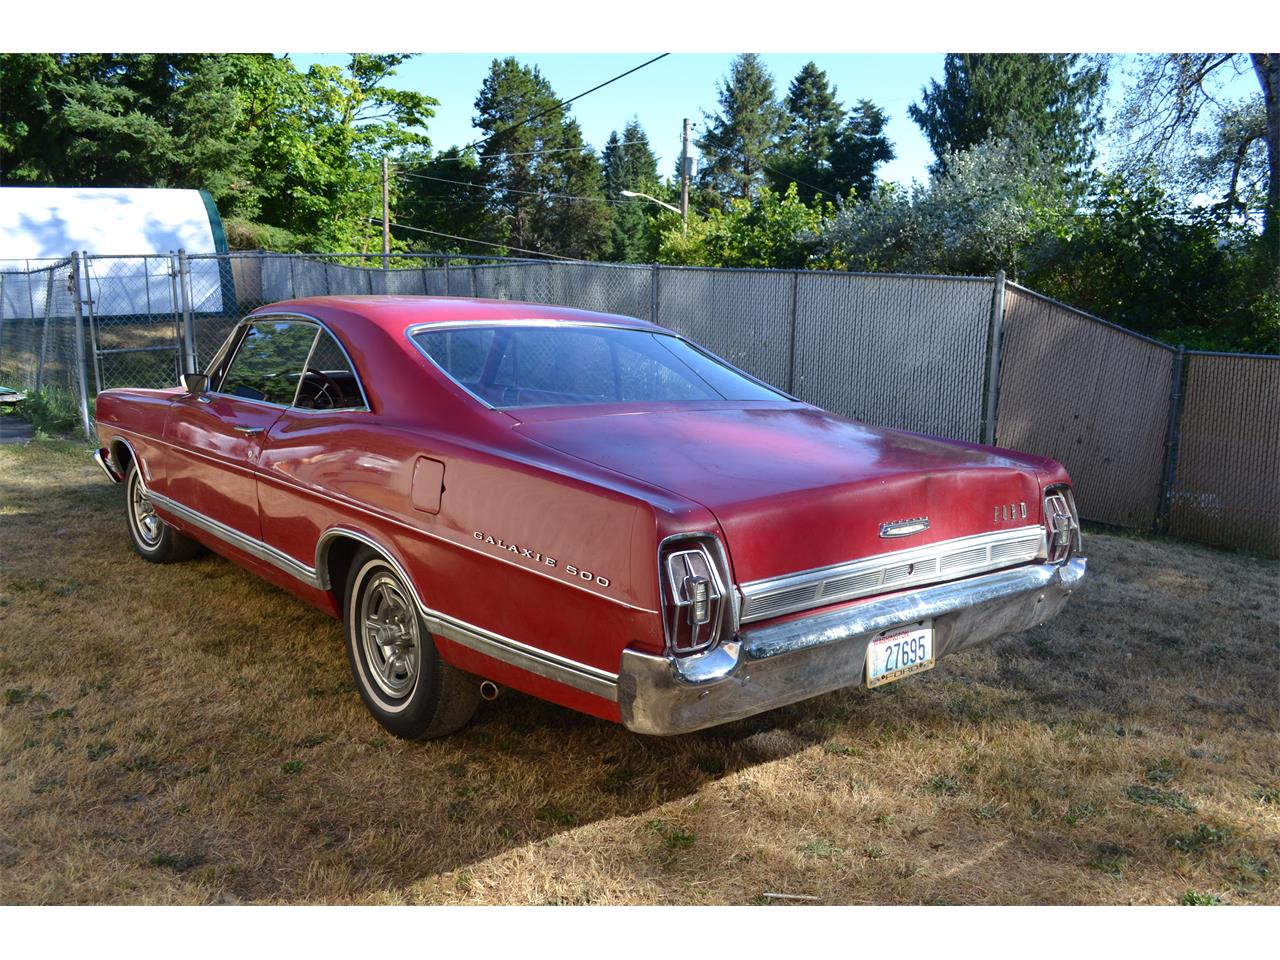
518,366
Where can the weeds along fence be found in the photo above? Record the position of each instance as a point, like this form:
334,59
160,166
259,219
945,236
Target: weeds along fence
1156,438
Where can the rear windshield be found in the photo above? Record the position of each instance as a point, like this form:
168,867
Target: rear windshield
516,366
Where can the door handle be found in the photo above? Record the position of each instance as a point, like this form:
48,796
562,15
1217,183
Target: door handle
248,431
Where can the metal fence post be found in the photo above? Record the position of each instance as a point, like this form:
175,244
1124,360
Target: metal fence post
188,332
791,344
991,389
98,382
446,276
73,288
653,293
1172,435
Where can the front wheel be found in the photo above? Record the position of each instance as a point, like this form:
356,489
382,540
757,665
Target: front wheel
406,686
152,538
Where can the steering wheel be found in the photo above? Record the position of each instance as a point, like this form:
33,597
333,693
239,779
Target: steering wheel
330,390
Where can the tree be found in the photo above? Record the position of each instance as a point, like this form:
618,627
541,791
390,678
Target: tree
1236,159
738,140
321,139
1053,100
769,230
981,214
444,193
299,152
545,186
126,120
823,151
813,115
629,164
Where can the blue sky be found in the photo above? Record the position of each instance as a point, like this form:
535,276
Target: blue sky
684,85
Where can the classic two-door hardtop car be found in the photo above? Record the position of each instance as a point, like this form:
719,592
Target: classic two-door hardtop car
588,508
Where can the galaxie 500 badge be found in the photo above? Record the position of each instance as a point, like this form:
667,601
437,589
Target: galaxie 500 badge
528,553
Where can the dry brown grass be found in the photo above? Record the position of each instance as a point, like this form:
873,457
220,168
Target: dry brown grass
187,734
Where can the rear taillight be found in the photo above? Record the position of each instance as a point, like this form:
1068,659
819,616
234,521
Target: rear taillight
1062,524
696,601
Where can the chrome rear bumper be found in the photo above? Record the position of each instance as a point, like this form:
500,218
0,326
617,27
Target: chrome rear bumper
779,663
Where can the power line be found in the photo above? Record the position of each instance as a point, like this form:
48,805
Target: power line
530,193
522,153
564,103
485,243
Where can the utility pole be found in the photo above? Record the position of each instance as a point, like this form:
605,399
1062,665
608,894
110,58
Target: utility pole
684,176
386,217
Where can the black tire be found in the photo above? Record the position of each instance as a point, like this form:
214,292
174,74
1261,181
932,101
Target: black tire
152,538
394,662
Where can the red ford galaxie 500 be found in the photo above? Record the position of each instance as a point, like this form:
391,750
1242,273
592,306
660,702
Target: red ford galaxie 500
585,507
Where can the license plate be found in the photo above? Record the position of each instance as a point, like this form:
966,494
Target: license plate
900,652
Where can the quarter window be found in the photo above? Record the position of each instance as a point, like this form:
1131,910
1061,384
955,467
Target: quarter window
329,383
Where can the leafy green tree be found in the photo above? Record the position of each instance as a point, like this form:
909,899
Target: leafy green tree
739,139
630,164
321,136
1138,257
291,157
813,115
546,186
1052,100
769,230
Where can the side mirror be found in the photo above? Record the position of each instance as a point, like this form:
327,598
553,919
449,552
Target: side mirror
195,383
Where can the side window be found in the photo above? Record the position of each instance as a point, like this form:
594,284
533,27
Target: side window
269,362
329,382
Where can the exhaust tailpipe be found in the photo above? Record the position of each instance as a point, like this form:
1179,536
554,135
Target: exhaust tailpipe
489,690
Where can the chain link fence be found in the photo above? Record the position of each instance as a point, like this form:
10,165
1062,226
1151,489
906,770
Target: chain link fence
970,358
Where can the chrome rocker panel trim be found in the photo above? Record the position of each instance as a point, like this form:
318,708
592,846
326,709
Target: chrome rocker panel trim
781,663
533,660
912,567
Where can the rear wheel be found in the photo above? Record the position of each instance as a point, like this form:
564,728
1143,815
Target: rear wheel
406,686
152,538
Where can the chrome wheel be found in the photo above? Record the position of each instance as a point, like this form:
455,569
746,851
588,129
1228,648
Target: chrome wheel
142,515
388,627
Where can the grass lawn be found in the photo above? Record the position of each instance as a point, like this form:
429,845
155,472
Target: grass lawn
188,734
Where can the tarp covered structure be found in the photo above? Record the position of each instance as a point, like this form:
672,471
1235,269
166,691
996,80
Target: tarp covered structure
135,228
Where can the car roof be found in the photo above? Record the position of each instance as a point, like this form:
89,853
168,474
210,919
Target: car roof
396,313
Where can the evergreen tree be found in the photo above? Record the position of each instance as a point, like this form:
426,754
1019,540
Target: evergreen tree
813,115
860,147
1049,101
740,138
444,193
630,164
546,188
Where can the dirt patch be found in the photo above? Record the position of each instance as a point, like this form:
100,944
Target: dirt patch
188,734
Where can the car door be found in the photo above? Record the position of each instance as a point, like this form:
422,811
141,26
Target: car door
322,452
216,437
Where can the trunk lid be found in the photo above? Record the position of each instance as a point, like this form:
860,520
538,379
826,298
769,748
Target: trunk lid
796,488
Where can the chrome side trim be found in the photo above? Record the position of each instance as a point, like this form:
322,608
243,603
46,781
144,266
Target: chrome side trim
539,662
913,567
531,659
242,541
